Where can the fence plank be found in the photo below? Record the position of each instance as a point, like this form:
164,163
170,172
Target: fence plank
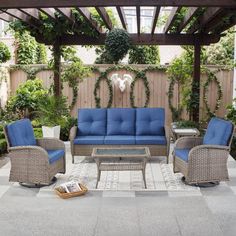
158,83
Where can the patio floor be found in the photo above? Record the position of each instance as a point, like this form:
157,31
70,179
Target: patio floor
212,212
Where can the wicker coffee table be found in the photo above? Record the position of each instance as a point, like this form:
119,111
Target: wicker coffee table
134,158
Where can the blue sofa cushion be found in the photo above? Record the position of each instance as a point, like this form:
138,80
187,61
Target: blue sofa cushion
121,121
54,155
92,121
150,121
89,140
182,153
120,140
21,133
150,140
218,132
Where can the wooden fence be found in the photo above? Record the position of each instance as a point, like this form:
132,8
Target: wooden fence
158,82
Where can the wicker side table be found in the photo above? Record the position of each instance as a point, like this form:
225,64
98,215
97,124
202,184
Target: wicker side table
182,132
104,158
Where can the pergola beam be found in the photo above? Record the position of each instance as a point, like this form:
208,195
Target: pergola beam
187,18
31,12
49,13
171,19
138,19
106,3
121,14
155,18
207,17
5,17
105,17
142,39
17,14
88,17
66,12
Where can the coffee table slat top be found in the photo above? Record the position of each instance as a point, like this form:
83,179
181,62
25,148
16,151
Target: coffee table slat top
121,152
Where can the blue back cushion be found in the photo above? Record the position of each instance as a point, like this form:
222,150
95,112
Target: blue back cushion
150,121
121,121
21,133
92,121
218,132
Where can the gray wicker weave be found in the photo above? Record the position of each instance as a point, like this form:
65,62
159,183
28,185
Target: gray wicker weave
206,163
30,164
86,150
137,156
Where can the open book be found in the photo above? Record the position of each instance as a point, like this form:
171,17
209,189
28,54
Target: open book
70,187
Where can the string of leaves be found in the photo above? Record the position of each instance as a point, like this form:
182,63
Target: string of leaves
29,70
140,75
103,76
211,78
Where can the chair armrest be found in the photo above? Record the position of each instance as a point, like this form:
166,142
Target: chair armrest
188,142
50,143
30,152
73,132
210,147
203,153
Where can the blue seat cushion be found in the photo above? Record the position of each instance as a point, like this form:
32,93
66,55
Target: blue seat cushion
54,155
218,132
119,140
182,153
121,121
150,121
92,121
21,133
150,140
88,140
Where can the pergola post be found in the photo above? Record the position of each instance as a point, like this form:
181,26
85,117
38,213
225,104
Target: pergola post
196,81
57,68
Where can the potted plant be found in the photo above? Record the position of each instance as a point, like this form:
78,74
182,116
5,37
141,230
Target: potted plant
52,114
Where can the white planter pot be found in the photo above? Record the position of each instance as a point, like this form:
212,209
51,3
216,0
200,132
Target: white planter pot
51,132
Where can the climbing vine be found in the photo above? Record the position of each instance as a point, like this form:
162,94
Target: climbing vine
29,70
138,75
103,76
212,79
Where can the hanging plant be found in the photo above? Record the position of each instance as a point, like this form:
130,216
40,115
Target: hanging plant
140,75
212,79
103,76
117,44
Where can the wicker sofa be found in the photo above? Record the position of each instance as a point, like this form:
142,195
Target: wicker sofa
204,159
34,162
120,127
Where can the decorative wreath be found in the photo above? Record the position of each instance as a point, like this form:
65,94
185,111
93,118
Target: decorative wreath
140,75
175,111
212,78
97,87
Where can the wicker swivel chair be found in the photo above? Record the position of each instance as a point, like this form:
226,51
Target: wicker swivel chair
34,162
204,160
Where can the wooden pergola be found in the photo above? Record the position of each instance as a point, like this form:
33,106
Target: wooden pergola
209,19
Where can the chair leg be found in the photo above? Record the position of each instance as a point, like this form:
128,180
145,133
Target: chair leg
144,178
73,159
31,185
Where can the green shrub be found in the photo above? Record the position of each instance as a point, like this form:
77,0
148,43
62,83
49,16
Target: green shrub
65,129
52,111
3,146
5,54
144,55
38,133
27,98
